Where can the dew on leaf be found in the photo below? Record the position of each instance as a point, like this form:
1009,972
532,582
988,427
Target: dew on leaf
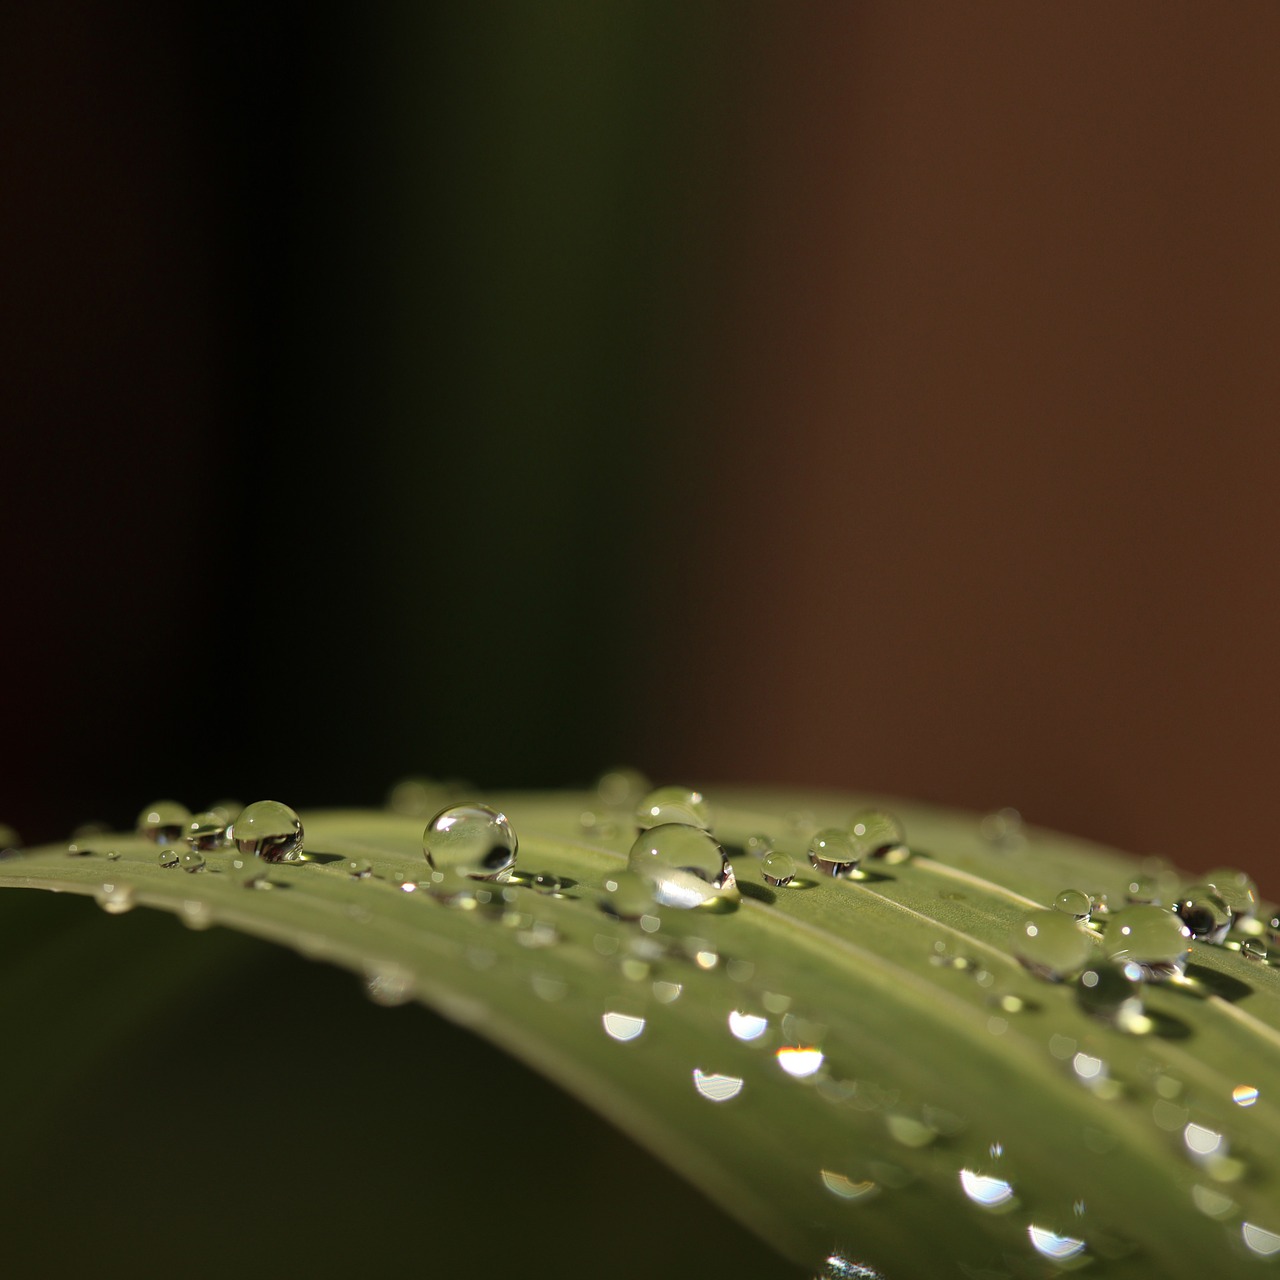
191,861
271,831
832,852
777,869
168,857
164,822
207,832
1051,945
359,868
1236,889
473,840
1254,950
1151,937
664,806
1204,913
880,835
1074,903
684,866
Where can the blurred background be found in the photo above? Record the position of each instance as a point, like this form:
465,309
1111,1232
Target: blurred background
869,396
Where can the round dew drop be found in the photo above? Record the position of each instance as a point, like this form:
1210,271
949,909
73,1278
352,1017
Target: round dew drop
777,868
1204,913
191,861
471,840
164,822
1052,945
685,866
1237,890
878,834
207,832
669,805
1074,903
1150,937
271,831
833,852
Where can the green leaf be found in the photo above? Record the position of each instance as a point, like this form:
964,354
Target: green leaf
900,1042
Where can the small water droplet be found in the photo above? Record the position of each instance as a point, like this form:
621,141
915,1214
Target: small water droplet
1204,913
777,869
799,1061
1109,993
880,835
833,852
359,868
1051,1245
622,788
1003,828
1244,1095
716,1087
207,831
1236,889
113,855
673,805
473,840
622,1026
168,857
1266,1244
1254,950
1074,903
164,822
271,831
191,861
1151,937
115,899
1052,945
685,867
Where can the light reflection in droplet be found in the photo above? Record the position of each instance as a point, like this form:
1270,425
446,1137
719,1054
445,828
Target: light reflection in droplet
622,1026
985,1190
1259,1240
1051,1245
799,1060
846,1188
715,1087
747,1026
1244,1095
1087,1067
1203,1142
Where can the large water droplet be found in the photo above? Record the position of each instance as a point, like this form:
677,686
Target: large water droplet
164,822
667,805
1150,937
1074,903
1203,911
191,861
777,868
880,835
1237,890
685,866
271,831
472,840
1052,945
833,852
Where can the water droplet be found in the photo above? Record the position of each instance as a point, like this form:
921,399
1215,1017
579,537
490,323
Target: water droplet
388,985
1151,937
986,1190
846,1188
1253,950
271,831
168,857
685,866
880,835
540,882
207,831
799,1061
1074,903
1057,1248
757,846
1109,993
191,861
747,1026
1051,945
1236,889
359,869
622,1026
1244,1095
1259,1240
673,805
113,855
1204,913
114,899
473,840
716,1087
164,822
1003,828
777,869
626,895
622,788
833,852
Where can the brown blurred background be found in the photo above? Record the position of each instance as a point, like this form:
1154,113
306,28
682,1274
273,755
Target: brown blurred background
873,396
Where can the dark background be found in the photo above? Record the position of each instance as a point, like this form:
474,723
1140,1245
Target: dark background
871,396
